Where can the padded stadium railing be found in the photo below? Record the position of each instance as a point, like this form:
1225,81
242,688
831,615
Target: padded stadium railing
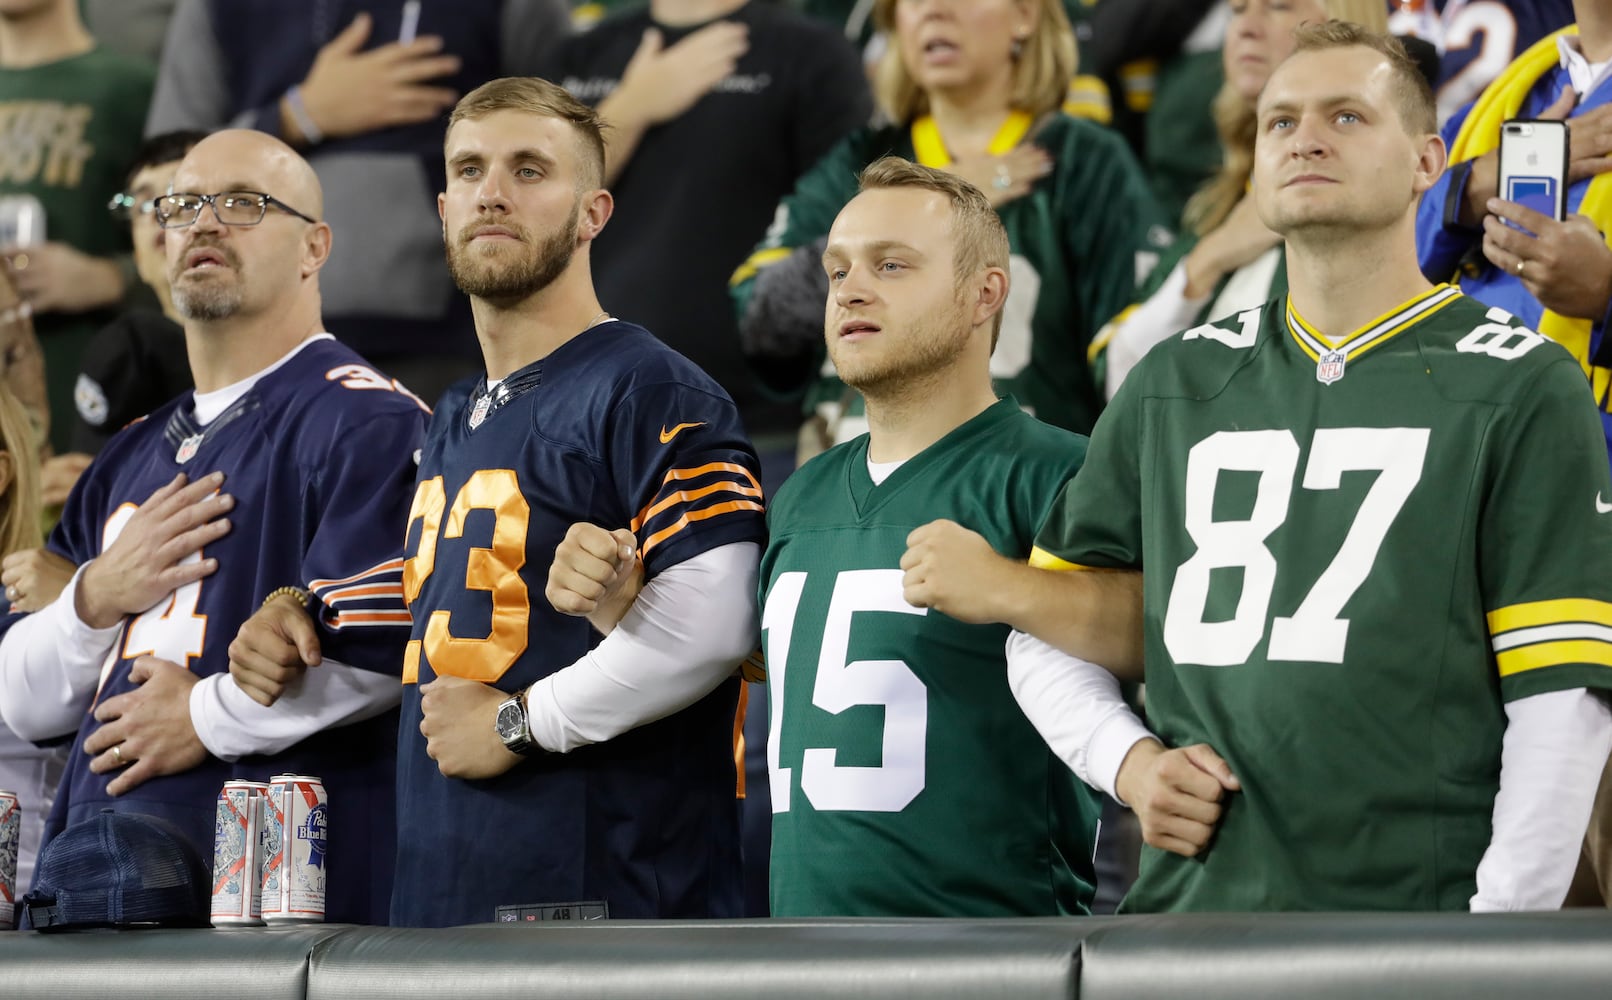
1198,957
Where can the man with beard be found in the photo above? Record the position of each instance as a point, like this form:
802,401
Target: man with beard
537,765
906,780
280,481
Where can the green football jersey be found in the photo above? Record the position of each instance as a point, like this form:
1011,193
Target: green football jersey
1354,553
1079,240
905,779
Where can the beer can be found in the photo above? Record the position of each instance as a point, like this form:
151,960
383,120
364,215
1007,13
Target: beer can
237,843
22,221
296,822
10,847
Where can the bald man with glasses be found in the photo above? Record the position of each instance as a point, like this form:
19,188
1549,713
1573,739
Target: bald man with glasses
259,512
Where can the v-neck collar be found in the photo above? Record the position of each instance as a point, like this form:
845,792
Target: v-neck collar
868,498
1375,333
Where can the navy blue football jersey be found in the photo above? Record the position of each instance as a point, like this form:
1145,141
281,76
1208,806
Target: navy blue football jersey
319,456
1478,39
612,428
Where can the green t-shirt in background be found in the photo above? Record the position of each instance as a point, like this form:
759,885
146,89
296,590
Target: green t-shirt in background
68,132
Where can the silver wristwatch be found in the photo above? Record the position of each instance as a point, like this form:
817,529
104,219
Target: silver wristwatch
513,726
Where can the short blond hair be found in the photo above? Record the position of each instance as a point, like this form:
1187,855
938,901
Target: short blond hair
536,96
1418,110
20,503
1041,73
979,239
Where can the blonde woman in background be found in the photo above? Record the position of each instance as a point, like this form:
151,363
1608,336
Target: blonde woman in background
1225,260
974,87
31,575
24,768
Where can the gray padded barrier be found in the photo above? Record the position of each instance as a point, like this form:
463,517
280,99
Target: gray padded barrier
242,964
1350,955
1199,957
755,960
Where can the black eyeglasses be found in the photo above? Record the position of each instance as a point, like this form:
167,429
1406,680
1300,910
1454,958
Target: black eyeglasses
124,206
232,208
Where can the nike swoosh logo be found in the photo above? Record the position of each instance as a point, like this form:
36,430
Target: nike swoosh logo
1602,508
667,435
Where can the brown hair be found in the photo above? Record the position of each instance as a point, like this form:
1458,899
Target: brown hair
539,97
20,502
1234,121
1041,72
979,240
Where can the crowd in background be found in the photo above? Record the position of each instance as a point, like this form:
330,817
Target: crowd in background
1118,158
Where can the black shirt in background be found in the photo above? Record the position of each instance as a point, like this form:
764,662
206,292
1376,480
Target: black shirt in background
700,190
130,367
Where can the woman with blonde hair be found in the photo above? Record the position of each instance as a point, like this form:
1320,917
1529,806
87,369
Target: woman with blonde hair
24,768
974,87
1226,260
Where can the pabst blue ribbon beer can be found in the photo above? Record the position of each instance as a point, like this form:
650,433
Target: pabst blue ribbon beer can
237,841
296,821
10,847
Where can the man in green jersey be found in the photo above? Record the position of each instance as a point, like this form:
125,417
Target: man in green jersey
905,779
1374,521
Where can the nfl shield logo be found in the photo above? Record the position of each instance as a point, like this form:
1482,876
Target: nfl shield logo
1330,368
478,413
187,449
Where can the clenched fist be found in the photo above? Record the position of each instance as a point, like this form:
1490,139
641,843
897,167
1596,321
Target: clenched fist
596,574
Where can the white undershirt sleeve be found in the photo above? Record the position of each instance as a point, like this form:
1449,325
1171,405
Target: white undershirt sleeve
50,666
1166,312
231,725
1077,708
689,629
1550,766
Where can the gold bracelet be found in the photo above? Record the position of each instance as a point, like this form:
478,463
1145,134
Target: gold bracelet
297,594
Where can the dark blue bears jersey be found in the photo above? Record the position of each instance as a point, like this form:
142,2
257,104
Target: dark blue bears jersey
319,456
612,428
1478,39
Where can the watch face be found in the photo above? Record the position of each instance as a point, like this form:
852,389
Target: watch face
511,721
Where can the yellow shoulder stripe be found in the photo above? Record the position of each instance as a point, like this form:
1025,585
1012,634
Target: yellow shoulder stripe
1556,612
1553,654
757,261
1042,559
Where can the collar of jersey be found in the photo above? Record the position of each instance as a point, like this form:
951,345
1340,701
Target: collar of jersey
1379,331
869,496
183,425
930,148
513,385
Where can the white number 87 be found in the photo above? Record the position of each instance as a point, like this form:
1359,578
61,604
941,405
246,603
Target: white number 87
1314,633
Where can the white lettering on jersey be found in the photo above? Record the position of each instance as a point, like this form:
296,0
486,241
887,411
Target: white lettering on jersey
1248,319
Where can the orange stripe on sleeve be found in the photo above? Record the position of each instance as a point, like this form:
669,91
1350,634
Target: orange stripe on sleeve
675,475
372,590
390,566
689,496
372,618
699,515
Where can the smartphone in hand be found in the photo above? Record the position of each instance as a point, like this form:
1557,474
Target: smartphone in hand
1533,166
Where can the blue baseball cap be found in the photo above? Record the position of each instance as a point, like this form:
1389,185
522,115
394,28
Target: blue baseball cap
117,870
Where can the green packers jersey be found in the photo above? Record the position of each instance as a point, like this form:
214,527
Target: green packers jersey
1354,553
1079,239
905,779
